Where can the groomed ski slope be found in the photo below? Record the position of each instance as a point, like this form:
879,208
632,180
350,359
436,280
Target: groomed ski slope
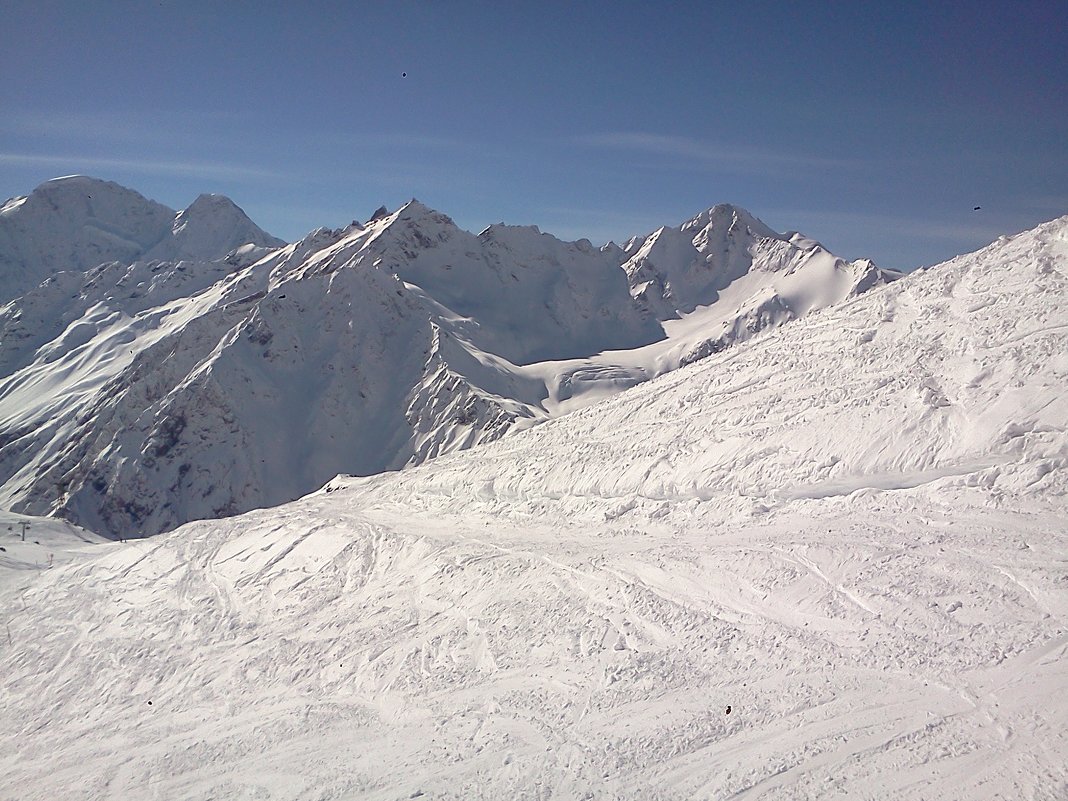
853,531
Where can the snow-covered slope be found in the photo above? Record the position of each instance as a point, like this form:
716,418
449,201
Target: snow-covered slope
960,368
830,562
77,222
29,545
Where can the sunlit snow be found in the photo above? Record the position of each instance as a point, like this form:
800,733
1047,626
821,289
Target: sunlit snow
827,558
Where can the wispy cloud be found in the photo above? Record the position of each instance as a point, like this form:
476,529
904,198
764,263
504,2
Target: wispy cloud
409,140
129,139
1051,204
899,241
146,166
931,228
708,154
113,126
602,225
125,123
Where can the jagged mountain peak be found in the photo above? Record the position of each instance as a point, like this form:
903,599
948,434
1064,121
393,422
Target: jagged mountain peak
412,222
418,213
210,201
727,258
508,278
728,218
416,207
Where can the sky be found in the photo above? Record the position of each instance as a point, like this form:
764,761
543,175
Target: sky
874,128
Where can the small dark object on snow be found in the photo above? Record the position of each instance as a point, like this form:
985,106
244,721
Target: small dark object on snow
150,703
728,708
404,74
977,208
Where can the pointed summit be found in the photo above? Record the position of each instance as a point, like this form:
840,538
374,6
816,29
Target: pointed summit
413,211
728,218
211,227
415,225
210,201
417,211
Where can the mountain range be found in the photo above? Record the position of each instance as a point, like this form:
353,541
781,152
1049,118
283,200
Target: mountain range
160,367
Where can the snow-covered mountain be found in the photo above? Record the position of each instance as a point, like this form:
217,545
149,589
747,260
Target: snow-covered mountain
77,222
138,395
829,562
729,275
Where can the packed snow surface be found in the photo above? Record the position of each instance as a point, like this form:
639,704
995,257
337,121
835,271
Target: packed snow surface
831,562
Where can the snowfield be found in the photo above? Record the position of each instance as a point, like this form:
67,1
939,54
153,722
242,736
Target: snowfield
829,562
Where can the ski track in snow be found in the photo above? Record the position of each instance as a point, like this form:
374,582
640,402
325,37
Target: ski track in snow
331,649
851,531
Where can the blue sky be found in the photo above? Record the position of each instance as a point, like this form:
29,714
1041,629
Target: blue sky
875,128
